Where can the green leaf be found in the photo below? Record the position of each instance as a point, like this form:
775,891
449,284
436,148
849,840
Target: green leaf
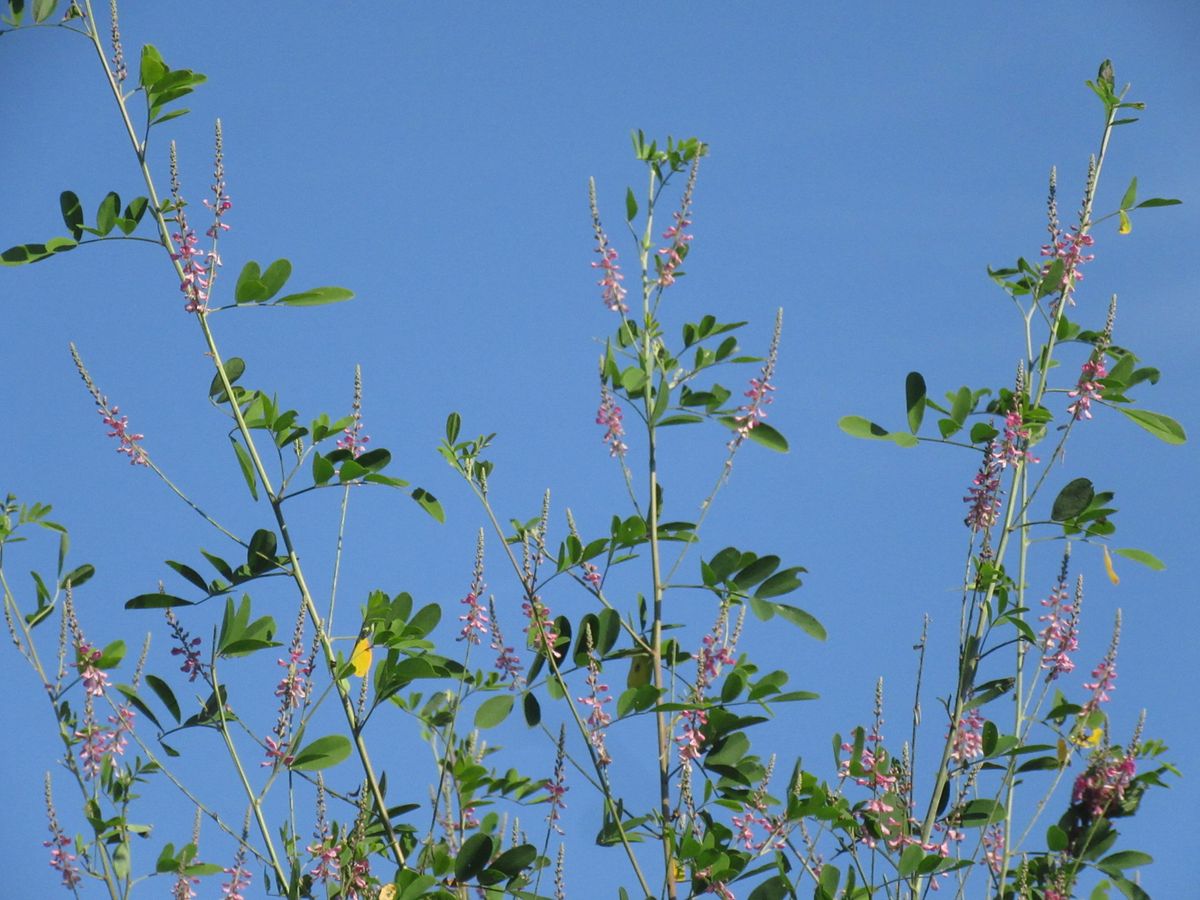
631,207
322,753
1072,500
316,297
261,554
1056,839
43,9
514,861
453,425
31,253
857,426
1126,859
532,709
774,888
764,434
780,583
1130,196
249,287
156,601
1157,201
473,857
1141,556
978,813
914,399
322,469
243,458
72,213
152,66
276,276
106,215
166,696
77,576
430,504
493,711
803,620
1162,427
235,367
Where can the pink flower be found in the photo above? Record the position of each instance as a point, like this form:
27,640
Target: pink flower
276,753
1087,389
95,680
691,736
993,848
188,648
507,660
1060,637
968,737
352,438
126,439
557,786
609,415
326,853
1104,782
239,880
1015,447
751,413
984,493
475,620
541,626
598,718
676,251
1068,247
293,687
1104,675
591,574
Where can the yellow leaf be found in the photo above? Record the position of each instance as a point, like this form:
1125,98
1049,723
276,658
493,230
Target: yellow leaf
1126,224
387,892
639,670
1063,753
360,659
1108,567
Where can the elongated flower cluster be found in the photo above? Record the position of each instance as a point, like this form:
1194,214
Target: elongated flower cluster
475,619
609,415
993,848
1069,246
1104,676
220,204
507,660
557,786
1088,388
100,743
352,438
1060,636
127,441
983,496
612,292
540,629
240,877
598,719
675,252
196,266
189,648
968,737
61,859
95,679
292,690
749,414
1105,781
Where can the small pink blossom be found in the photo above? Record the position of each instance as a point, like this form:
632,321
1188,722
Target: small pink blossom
557,786
984,493
475,619
968,737
598,718
127,440
1104,782
751,413
1069,247
993,849
1060,637
1015,447
691,734
276,753
1087,389
95,680
609,415
541,627
507,660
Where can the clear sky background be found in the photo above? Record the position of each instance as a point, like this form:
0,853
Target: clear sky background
866,165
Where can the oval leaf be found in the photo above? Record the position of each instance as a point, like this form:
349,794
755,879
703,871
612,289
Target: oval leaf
473,857
1162,427
493,711
322,753
1072,500
316,297
1141,556
914,400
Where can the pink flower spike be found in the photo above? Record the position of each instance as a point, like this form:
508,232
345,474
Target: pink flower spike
612,292
610,415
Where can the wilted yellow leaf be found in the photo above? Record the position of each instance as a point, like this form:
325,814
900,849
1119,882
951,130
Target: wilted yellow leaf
360,659
1126,224
1108,567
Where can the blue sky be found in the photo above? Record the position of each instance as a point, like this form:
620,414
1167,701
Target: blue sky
866,165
